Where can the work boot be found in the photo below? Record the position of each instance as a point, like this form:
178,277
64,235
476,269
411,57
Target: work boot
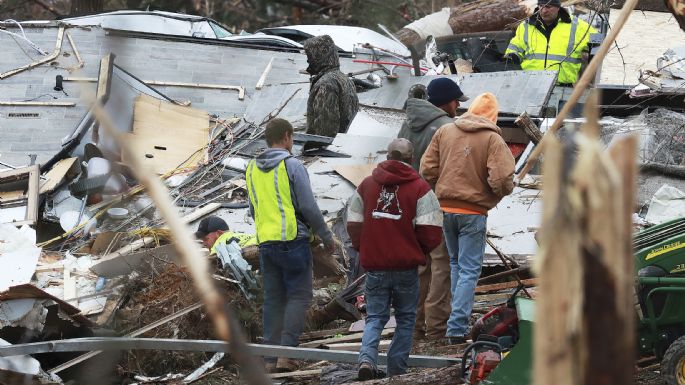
366,372
286,365
456,340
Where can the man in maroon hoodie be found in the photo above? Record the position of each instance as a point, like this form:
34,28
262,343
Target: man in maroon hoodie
393,220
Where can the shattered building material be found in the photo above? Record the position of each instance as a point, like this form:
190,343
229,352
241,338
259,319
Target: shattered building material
19,190
62,170
28,291
119,264
52,56
18,255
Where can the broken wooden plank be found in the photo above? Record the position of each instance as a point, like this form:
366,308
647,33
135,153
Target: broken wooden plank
348,338
355,174
28,179
57,173
76,53
355,346
52,56
262,79
505,285
318,334
124,264
502,274
299,373
69,285
201,212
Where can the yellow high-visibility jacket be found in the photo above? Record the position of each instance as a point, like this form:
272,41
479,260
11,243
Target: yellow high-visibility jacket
269,194
562,53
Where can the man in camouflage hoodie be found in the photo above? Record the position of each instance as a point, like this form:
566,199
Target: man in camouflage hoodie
333,101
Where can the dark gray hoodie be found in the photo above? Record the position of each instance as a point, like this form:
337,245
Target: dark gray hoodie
423,119
306,210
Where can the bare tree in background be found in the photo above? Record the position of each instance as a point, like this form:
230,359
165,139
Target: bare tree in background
86,7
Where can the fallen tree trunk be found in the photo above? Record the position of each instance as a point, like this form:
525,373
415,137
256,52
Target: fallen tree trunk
478,16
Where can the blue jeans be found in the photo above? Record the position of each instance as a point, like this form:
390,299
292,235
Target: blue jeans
399,289
465,240
287,274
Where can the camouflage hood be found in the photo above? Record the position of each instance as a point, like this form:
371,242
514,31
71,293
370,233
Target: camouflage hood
322,55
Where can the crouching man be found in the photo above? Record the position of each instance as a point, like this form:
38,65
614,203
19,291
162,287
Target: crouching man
394,220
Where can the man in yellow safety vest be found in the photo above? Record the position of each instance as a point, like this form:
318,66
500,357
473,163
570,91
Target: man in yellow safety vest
285,212
551,39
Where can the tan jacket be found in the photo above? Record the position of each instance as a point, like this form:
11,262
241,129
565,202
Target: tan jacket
469,164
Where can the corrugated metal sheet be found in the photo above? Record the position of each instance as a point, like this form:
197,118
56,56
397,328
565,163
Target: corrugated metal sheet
516,91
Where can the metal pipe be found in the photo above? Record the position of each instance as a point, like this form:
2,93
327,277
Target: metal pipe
131,343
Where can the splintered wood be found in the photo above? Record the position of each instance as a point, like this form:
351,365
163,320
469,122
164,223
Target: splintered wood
584,332
165,135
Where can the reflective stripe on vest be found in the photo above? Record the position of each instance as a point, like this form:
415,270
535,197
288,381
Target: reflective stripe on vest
561,53
274,212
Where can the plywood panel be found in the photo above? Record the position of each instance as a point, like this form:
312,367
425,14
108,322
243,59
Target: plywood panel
165,135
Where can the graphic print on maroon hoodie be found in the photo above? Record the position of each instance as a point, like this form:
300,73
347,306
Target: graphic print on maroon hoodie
388,205
394,218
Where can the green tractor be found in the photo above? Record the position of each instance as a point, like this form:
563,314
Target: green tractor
660,290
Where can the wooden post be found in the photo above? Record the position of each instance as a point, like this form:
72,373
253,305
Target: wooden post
584,332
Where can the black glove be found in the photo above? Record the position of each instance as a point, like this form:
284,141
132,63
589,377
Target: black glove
512,58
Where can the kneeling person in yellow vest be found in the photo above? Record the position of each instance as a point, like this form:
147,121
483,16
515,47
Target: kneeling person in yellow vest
285,212
551,39
213,230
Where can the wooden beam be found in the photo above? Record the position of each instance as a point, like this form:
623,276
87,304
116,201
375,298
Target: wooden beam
262,79
76,53
502,274
57,173
32,176
348,338
37,104
355,346
299,373
51,57
105,78
505,285
201,212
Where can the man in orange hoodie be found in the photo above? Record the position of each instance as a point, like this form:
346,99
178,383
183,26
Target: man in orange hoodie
472,169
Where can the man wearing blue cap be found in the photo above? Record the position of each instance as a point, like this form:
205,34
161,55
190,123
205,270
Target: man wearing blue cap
424,117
